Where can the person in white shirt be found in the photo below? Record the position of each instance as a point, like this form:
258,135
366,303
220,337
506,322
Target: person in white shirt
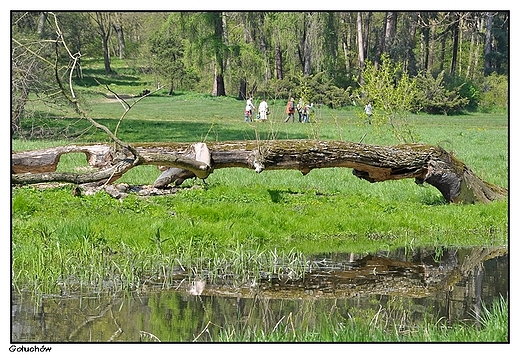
368,111
263,109
248,114
306,113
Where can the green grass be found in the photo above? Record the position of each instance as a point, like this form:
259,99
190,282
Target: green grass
58,237
492,328
242,223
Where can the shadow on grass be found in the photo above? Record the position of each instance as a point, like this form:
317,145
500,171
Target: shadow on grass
433,200
80,130
277,195
93,81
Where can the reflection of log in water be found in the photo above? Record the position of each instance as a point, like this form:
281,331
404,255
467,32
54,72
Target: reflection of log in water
422,277
407,288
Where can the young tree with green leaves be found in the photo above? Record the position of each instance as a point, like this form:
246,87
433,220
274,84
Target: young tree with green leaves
391,92
167,54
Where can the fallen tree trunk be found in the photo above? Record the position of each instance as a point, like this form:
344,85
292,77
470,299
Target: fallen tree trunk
424,163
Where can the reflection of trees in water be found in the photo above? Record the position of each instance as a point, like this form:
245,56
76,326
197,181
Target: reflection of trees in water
397,289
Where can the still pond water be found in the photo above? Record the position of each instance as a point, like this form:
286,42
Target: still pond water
402,287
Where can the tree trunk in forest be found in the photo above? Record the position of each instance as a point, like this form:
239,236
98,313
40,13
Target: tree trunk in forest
477,56
41,25
487,45
220,56
103,21
242,93
263,45
118,28
380,46
424,163
106,56
410,62
307,38
219,82
361,49
278,61
390,30
431,49
366,33
346,37
172,88
470,55
425,45
455,47
442,52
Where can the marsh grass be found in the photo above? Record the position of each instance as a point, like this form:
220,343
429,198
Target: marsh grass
358,327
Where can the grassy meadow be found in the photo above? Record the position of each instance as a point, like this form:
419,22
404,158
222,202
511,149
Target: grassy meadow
236,221
237,210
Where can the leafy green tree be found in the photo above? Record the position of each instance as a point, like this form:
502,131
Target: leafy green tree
277,26
257,51
167,54
321,89
391,93
204,35
247,66
219,48
465,88
248,48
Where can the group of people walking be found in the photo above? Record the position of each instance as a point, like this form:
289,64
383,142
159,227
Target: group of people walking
303,110
263,111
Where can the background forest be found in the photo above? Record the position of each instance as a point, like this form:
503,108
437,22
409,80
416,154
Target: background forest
441,62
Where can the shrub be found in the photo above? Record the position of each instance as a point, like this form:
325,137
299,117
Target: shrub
466,89
495,92
323,90
391,91
432,97
317,88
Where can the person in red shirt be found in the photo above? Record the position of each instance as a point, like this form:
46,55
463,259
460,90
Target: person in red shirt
289,109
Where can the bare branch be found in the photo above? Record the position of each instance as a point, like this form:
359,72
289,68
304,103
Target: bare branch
128,106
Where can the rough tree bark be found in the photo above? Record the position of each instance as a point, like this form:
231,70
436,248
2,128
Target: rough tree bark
424,163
